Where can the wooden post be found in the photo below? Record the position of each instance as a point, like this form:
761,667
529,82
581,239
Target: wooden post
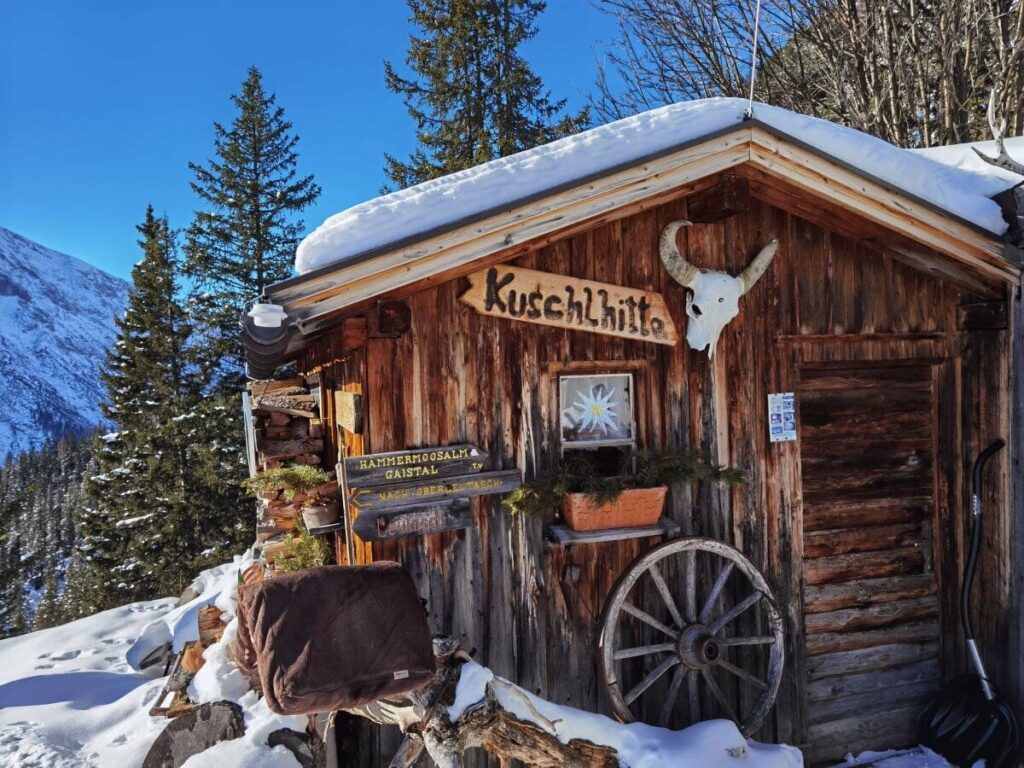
346,507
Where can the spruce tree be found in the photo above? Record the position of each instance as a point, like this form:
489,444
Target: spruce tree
245,236
152,500
473,96
48,612
132,494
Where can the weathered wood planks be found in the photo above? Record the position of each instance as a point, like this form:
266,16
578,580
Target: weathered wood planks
832,316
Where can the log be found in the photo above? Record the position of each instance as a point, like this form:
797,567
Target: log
269,387
278,419
272,432
286,404
287,449
211,626
423,717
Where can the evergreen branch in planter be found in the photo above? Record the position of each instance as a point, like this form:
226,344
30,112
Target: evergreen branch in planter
305,551
292,479
578,473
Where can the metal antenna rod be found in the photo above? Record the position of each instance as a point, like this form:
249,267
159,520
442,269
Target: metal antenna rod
753,60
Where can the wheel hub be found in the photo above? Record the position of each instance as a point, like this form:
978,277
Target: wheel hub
697,647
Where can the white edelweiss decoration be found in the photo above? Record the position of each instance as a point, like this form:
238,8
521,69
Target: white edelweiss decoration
714,297
596,410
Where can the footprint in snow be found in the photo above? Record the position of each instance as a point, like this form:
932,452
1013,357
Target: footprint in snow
43,656
43,666
119,740
66,656
111,659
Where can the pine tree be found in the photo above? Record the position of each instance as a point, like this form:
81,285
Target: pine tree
245,238
152,499
148,383
473,96
48,612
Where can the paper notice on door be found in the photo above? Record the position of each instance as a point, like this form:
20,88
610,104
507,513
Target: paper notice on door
781,417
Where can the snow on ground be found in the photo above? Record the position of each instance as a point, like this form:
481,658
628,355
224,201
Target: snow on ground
711,744
919,757
69,698
962,190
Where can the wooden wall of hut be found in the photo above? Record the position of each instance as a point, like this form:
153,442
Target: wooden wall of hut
530,611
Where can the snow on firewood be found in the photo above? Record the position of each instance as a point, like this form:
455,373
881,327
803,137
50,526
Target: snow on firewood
711,744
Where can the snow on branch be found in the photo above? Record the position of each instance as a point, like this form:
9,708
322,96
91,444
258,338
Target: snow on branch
467,706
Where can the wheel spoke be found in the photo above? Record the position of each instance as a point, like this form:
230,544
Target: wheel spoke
651,678
643,650
716,590
670,698
731,641
735,611
691,586
646,618
694,696
659,582
706,674
742,674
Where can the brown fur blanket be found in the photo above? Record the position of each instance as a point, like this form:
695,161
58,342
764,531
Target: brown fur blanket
330,638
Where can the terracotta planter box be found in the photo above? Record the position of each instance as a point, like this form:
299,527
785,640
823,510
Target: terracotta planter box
632,509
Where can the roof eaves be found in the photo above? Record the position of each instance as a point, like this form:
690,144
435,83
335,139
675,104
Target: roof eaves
404,242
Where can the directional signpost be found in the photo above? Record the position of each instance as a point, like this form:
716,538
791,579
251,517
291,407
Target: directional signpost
414,521
420,491
422,463
423,491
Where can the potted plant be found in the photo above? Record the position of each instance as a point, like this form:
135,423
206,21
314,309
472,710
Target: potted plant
298,485
632,495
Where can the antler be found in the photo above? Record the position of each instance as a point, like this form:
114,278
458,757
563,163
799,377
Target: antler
682,271
1003,160
758,266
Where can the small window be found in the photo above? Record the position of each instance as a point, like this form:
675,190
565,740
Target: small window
596,411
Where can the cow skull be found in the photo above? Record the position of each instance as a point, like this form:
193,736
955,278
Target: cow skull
714,297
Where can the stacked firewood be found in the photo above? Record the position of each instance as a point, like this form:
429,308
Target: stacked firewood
277,515
173,701
286,429
286,424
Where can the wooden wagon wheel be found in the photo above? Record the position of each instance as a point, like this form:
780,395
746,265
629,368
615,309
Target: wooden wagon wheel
647,633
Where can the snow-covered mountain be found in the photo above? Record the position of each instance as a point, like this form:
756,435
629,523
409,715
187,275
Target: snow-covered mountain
56,322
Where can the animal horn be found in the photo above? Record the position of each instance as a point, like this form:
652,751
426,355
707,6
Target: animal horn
998,128
758,266
682,271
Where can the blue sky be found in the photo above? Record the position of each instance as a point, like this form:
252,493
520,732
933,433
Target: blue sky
102,104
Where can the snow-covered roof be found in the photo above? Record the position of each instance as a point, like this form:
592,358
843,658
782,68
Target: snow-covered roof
963,157
964,191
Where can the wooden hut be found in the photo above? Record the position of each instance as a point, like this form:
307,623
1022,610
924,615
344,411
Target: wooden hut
891,311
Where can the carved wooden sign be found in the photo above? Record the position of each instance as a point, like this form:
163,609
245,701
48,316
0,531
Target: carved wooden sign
450,515
426,491
421,463
568,302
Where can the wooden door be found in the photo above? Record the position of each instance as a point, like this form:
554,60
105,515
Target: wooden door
868,448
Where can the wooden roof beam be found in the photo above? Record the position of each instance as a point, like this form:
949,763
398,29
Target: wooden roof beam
829,181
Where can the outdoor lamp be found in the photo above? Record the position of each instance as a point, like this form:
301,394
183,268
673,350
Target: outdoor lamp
267,315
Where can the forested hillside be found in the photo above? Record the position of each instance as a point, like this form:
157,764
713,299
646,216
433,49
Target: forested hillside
40,494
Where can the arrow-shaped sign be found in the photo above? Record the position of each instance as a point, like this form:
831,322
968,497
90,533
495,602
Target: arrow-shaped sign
423,491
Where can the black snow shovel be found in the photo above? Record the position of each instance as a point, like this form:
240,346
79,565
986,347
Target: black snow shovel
969,720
